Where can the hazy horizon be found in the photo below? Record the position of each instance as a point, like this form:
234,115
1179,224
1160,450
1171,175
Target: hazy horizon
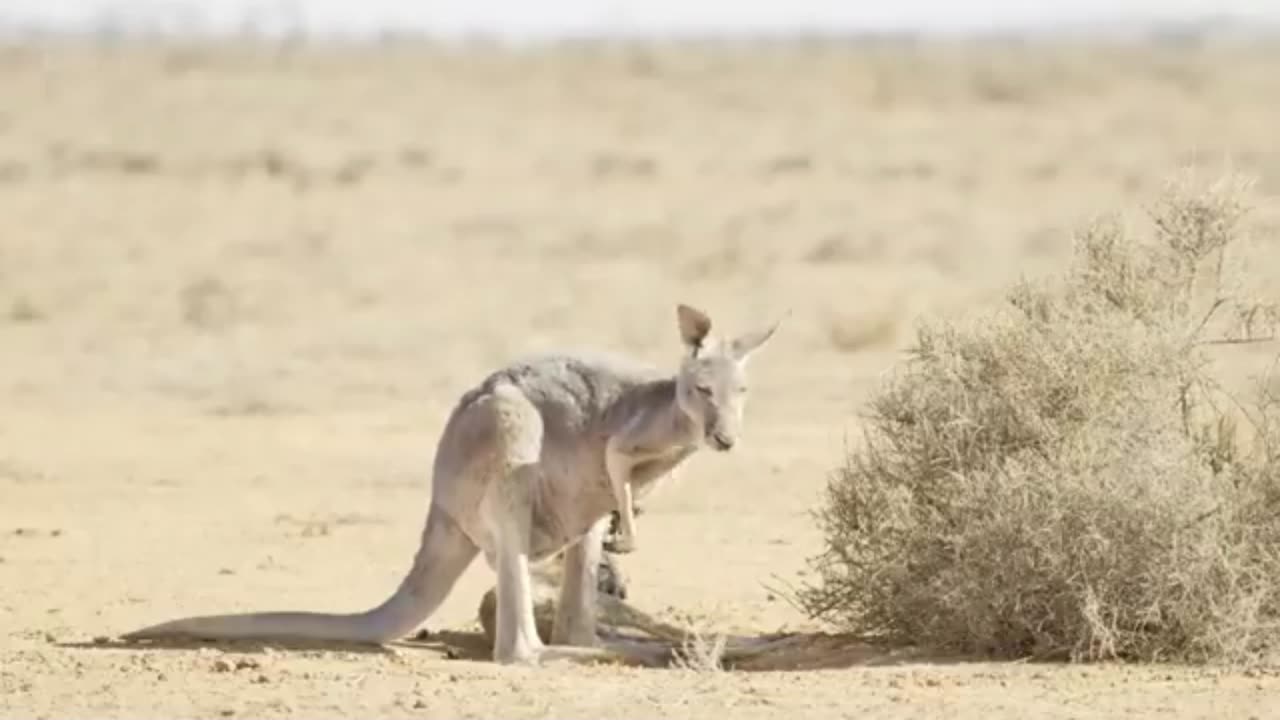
620,17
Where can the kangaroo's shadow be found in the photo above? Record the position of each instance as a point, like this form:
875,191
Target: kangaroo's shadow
812,651
792,652
240,646
453,644
789,652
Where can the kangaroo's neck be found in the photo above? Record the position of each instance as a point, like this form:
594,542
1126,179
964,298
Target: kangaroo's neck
651,414
671,415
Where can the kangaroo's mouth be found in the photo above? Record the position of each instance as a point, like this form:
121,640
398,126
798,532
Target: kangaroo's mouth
720,441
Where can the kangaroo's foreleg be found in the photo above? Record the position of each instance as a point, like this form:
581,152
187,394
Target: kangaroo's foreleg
618,466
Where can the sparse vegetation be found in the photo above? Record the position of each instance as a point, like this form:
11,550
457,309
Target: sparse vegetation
702,650
23,310
206,303
1062,477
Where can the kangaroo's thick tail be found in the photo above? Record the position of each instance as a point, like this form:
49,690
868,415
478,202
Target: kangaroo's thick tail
441,559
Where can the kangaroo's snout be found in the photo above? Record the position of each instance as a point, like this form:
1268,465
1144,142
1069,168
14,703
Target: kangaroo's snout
720,441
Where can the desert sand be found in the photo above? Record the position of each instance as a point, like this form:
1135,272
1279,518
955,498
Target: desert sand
241,287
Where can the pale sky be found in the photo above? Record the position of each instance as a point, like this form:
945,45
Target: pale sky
544,17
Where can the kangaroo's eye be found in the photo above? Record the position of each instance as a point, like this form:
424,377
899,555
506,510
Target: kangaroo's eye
704,390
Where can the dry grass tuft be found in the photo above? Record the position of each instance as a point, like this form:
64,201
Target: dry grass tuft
1062,477
207,304
23,311
701,652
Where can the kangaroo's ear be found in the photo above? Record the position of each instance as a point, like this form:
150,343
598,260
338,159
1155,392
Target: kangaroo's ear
694,327
743,345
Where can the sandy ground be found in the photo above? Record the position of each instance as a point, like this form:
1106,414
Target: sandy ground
240,289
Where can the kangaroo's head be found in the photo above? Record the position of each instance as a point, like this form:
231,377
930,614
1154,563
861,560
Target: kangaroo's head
711,387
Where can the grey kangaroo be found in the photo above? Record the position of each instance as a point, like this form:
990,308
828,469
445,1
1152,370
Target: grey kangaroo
533,461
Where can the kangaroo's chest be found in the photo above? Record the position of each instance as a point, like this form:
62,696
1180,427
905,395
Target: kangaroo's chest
574,492
646,473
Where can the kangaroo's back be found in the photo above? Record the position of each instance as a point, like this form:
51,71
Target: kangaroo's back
574,391
575,396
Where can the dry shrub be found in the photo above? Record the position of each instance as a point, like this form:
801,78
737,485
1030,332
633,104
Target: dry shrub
1061,477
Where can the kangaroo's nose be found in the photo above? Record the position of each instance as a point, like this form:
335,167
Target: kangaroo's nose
721,441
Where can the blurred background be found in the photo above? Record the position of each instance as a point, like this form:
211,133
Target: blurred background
558,18
241,209
251,252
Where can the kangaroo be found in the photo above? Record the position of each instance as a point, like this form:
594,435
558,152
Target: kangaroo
529,464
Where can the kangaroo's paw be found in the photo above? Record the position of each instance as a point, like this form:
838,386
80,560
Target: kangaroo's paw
621,544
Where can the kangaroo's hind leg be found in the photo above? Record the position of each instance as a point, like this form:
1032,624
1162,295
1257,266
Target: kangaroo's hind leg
574,633
516,638
575,622
508,505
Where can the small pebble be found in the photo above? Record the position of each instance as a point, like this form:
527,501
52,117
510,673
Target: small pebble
221,666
